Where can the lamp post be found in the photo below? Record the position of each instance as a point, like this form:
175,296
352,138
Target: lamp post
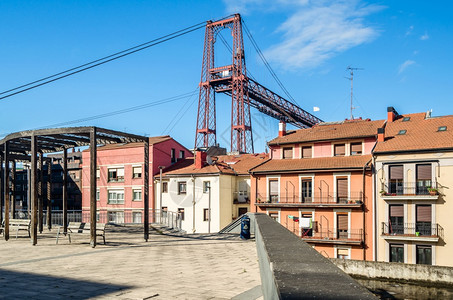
208,186
160,191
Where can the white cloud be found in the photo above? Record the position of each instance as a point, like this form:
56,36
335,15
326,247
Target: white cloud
316,30
424,37
409,30
404,66
315,108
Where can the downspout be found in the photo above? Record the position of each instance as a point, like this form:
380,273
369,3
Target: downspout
193,203
363,208
256,193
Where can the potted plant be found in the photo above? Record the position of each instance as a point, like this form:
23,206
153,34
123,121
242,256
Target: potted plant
433,191
383,193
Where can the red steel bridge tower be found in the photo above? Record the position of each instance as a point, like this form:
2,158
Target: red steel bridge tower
245,92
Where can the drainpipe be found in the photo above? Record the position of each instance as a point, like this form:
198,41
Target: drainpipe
193,203
363,209
209,209
256,193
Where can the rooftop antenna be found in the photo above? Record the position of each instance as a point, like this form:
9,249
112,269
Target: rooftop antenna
351,72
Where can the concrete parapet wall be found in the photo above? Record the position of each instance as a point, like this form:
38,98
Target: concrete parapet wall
396,271
291,269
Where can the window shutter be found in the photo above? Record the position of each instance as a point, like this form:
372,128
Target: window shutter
424,172
343,252
120,172
306,152
342,222
273,187
356,148
424,213
396,211
396,172
137,169
340,150
342,188
287,152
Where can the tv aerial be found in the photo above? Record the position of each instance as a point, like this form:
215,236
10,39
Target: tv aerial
351,72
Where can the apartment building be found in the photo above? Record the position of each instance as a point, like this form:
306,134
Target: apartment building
208,191
119,177
414,187
318,184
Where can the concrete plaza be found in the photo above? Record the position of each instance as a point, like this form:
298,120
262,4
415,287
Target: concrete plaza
168,266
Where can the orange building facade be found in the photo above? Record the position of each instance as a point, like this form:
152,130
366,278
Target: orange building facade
318,184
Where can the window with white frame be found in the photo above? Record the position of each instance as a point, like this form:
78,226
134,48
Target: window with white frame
116,217
206,186
136,217
116,174
137,172
273,190
164,187
98,194
116,197
98,173
182,187
137,195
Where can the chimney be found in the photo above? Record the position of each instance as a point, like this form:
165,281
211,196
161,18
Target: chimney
381,134
200,159
392,114
281,129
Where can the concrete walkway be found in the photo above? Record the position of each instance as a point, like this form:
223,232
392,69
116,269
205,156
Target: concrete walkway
169,266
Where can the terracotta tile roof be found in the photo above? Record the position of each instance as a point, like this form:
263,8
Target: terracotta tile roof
421,134
224,164
152,140
331,131
313,164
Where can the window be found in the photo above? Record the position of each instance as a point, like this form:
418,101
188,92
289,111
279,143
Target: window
181,154
136,195
424,255
306,224
342,190
423,219
423,179
273,215
396,219
442,128
116,197
98,173
306,152
136,217
396,253
356,148
306,190
396,180
164,187
205,214
402,132
182,187
343,253
206,186
405,119
173,155
342,226
137,172
339,150
287,153
164,211
116,174
273,190
116,217
181,213
98,195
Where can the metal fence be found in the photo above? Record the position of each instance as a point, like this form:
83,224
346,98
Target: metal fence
413,229
156,216
352,198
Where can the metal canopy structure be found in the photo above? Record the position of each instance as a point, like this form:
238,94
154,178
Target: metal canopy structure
32,144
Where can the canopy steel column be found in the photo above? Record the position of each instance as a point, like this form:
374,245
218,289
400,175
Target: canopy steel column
34,191
2,196
146,190
6,190
65,190
13,190
93,179
40,191
49,195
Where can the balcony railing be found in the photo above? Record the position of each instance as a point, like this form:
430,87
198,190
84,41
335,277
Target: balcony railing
420,188
353,198
330,234
422,229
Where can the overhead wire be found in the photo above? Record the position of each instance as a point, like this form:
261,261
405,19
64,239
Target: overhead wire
177,114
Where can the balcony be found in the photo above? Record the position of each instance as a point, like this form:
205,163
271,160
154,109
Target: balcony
353,200
331,236
409,191
422,231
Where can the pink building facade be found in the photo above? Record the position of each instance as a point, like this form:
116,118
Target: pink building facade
120,180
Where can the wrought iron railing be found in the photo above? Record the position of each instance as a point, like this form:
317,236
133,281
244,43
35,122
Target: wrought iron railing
413,229
410,188
352,198
333,234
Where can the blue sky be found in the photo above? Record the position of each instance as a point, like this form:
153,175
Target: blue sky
404,47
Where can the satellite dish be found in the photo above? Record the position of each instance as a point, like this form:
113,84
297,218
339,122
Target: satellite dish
209,160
